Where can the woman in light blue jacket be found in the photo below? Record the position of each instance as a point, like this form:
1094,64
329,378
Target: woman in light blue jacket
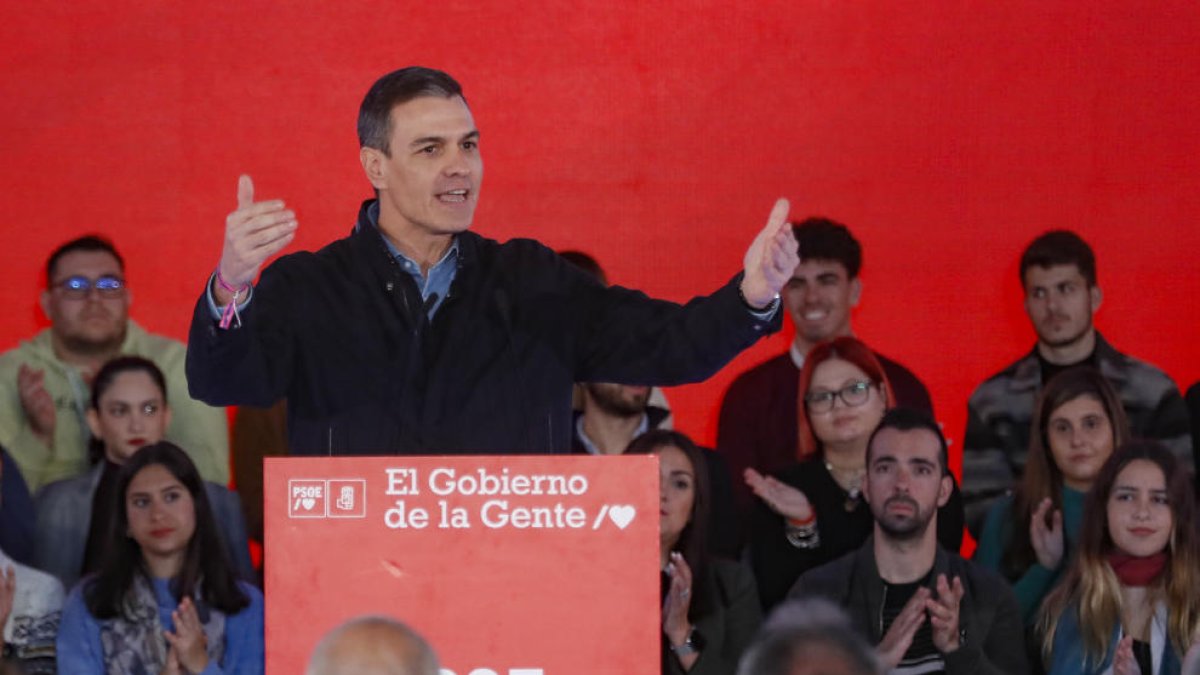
1130,602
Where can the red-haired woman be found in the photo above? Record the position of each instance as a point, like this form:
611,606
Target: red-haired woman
814,510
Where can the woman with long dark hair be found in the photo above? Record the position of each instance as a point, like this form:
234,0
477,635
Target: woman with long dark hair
165,599
1077,421
813,511
129,410
710,611
1130,602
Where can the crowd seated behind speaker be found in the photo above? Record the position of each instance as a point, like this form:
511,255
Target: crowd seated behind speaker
710,611
373,645
431,338
1062,295
165,598
129,410
1130,602
758,425
924,608
808,637
812,511
1030,536
31,603
45,381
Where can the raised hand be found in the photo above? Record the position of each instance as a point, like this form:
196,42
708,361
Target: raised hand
1047,541
782,498
37,402
254,232
188,640
771,259
900,634
943,614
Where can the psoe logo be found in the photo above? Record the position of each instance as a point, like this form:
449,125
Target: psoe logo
347,498
306,498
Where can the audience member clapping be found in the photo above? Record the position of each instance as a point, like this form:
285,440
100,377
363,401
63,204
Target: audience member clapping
710,611
1130,602
165,598
1030,536
816,512
128,411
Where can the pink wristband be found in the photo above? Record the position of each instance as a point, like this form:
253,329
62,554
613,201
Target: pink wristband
230,314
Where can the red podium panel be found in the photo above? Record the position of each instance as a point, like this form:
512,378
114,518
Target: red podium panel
529,565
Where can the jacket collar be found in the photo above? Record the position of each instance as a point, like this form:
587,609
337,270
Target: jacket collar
1027,373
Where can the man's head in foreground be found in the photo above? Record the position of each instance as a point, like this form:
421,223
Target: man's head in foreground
373,645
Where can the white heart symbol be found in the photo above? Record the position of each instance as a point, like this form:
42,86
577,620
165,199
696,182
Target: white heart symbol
622,515
308,503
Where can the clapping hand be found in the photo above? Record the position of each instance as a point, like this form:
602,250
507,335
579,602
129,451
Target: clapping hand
1047,541
900,634
782,498
1124,662
943,614
679,599
188,641
36,402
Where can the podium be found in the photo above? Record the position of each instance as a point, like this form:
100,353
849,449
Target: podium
521,565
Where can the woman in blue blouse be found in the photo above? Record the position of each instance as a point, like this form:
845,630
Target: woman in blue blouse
1077,422
165,600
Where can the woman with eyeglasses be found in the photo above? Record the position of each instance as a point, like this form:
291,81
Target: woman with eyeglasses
813,512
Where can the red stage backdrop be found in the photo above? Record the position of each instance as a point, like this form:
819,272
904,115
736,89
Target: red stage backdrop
655,136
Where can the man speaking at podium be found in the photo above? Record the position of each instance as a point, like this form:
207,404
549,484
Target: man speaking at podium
413,335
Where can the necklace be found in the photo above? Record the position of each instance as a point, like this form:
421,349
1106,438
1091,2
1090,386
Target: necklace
852,483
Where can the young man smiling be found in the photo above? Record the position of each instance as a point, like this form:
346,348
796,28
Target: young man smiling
1062,296
416,335
758,421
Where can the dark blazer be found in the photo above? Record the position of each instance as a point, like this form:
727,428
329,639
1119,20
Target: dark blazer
993,637
343,334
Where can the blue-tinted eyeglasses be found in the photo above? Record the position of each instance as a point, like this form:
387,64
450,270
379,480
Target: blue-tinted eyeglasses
78,287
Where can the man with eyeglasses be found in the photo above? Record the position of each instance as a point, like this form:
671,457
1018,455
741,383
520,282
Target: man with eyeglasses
1062,296
45,382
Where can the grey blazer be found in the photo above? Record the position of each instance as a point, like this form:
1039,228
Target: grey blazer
64,517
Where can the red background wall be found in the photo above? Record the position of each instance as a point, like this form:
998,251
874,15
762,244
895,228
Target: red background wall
656,135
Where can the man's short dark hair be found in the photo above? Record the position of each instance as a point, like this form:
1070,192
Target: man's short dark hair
908,419
825,239
89,242
393,89
1060,247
